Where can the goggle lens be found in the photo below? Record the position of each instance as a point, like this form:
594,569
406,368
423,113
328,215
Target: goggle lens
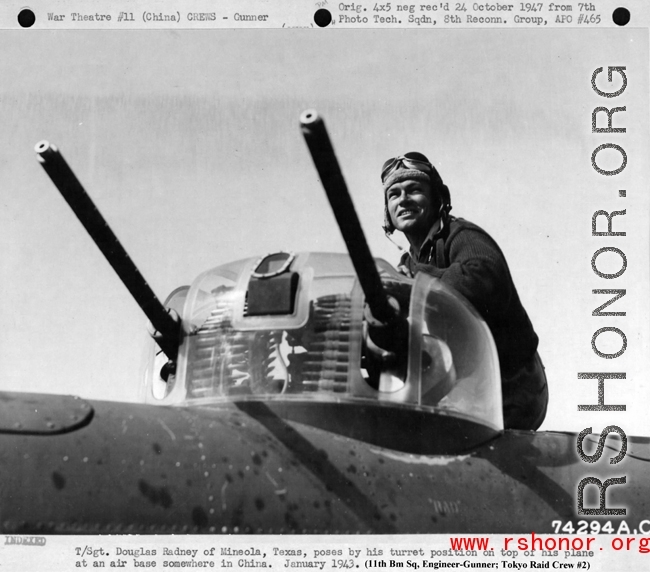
411,160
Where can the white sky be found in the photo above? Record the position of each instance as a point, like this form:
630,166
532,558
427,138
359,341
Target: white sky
189,144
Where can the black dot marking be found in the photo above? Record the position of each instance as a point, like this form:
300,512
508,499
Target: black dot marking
199,518
323,18
621,16
26,18
158,495
58,480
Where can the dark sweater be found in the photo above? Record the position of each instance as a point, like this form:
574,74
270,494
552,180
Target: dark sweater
466,258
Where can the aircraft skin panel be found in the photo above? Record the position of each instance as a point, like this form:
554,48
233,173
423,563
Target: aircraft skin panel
217,469
161,470
37,413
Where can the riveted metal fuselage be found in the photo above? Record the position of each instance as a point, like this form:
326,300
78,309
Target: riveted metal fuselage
243,468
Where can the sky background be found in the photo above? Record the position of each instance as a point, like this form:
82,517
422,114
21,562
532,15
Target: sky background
189,144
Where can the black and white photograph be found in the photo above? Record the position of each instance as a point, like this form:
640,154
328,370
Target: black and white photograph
377,282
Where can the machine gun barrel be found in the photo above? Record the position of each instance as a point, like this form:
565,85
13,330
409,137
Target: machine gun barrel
322,152
167,326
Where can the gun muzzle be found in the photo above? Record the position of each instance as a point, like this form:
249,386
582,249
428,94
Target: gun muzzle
167,326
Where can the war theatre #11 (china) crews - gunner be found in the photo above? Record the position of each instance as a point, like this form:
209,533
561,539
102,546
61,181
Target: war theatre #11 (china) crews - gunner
465,257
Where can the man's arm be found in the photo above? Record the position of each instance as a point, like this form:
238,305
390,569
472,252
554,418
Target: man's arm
478,270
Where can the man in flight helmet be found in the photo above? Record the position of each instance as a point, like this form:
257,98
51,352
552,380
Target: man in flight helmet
465,257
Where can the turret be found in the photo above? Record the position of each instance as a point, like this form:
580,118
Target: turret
288,334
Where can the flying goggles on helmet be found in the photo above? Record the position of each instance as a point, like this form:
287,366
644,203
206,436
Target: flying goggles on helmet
411,160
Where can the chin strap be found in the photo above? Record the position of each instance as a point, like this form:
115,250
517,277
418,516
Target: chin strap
388,236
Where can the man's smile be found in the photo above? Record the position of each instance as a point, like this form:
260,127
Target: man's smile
406,213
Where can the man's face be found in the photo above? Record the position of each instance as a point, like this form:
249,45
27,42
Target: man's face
411,207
